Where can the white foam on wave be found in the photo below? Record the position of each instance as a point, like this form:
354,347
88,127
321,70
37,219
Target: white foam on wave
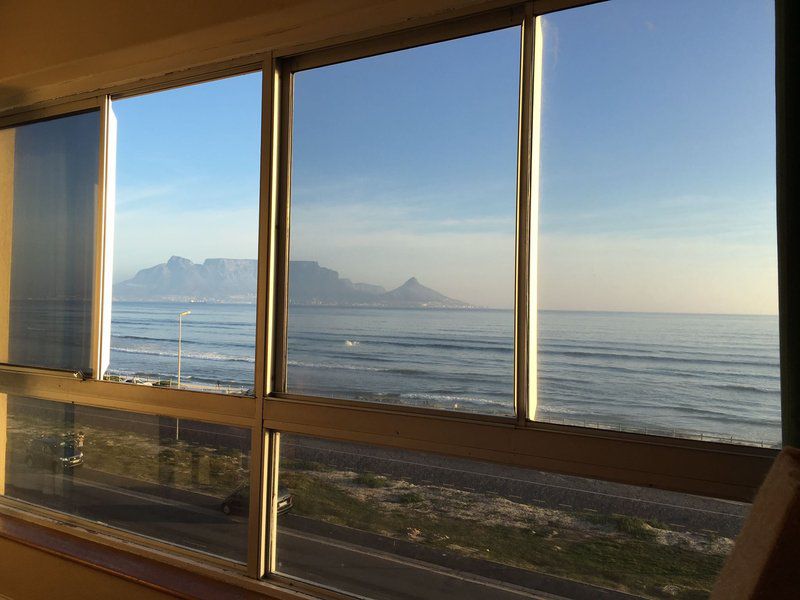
196,355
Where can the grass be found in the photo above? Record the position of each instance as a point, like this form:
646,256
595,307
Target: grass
626,556
370,480
410,498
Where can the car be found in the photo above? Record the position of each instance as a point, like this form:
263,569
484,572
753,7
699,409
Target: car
237,501
54,452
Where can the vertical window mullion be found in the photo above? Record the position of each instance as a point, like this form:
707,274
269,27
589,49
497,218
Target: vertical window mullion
525,296
104,239
284,97
259,531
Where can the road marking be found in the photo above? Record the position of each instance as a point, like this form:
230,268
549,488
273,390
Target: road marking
460,575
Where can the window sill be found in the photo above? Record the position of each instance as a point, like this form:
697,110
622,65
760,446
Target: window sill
113,557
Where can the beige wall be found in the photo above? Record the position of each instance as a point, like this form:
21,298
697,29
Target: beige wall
51,48
21,569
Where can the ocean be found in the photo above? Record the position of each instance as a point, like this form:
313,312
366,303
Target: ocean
712,377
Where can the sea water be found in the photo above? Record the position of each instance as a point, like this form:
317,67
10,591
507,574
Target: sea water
706,376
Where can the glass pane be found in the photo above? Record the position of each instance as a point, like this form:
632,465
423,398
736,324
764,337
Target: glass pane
186,237
401,280
179,481
657,250
48,184
386,523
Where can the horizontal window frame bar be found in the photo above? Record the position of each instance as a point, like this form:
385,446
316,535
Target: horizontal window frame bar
396,409
711,469
207,407
44,372
55,110
544,7
192,76
423,35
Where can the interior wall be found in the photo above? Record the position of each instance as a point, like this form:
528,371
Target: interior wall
21,569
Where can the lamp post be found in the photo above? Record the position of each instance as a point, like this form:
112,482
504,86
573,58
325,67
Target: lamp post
180,332
180,335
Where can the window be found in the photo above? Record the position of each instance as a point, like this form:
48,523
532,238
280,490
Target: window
48,198
396,364
176,480
382,523
186,237
657,245
401,278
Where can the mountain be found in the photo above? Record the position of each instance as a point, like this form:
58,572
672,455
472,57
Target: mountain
309,283
413,294
180,280
234,280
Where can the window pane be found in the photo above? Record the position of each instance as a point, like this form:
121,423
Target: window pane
186,237
657,250
385,524
401,280
179,481
48,184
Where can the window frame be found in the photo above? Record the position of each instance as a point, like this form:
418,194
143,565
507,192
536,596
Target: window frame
708,468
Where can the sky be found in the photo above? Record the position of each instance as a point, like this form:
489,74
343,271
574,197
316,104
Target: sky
657,187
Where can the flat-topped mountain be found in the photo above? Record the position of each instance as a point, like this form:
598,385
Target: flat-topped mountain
180,280
234,280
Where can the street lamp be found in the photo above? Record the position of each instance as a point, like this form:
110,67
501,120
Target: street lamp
180,331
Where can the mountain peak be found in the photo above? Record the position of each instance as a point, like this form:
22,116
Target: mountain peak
179,261
413,294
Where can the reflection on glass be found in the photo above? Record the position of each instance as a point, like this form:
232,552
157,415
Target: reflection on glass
185,242
48,182
178,481
401,279
657,248
384,523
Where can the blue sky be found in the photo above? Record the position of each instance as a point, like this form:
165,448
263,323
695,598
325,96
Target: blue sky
657,156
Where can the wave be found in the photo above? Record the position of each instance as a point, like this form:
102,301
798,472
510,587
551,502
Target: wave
191,355
682,360
745,388
190,342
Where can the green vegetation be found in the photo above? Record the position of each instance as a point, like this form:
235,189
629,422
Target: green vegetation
612,551
410,498
370,480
